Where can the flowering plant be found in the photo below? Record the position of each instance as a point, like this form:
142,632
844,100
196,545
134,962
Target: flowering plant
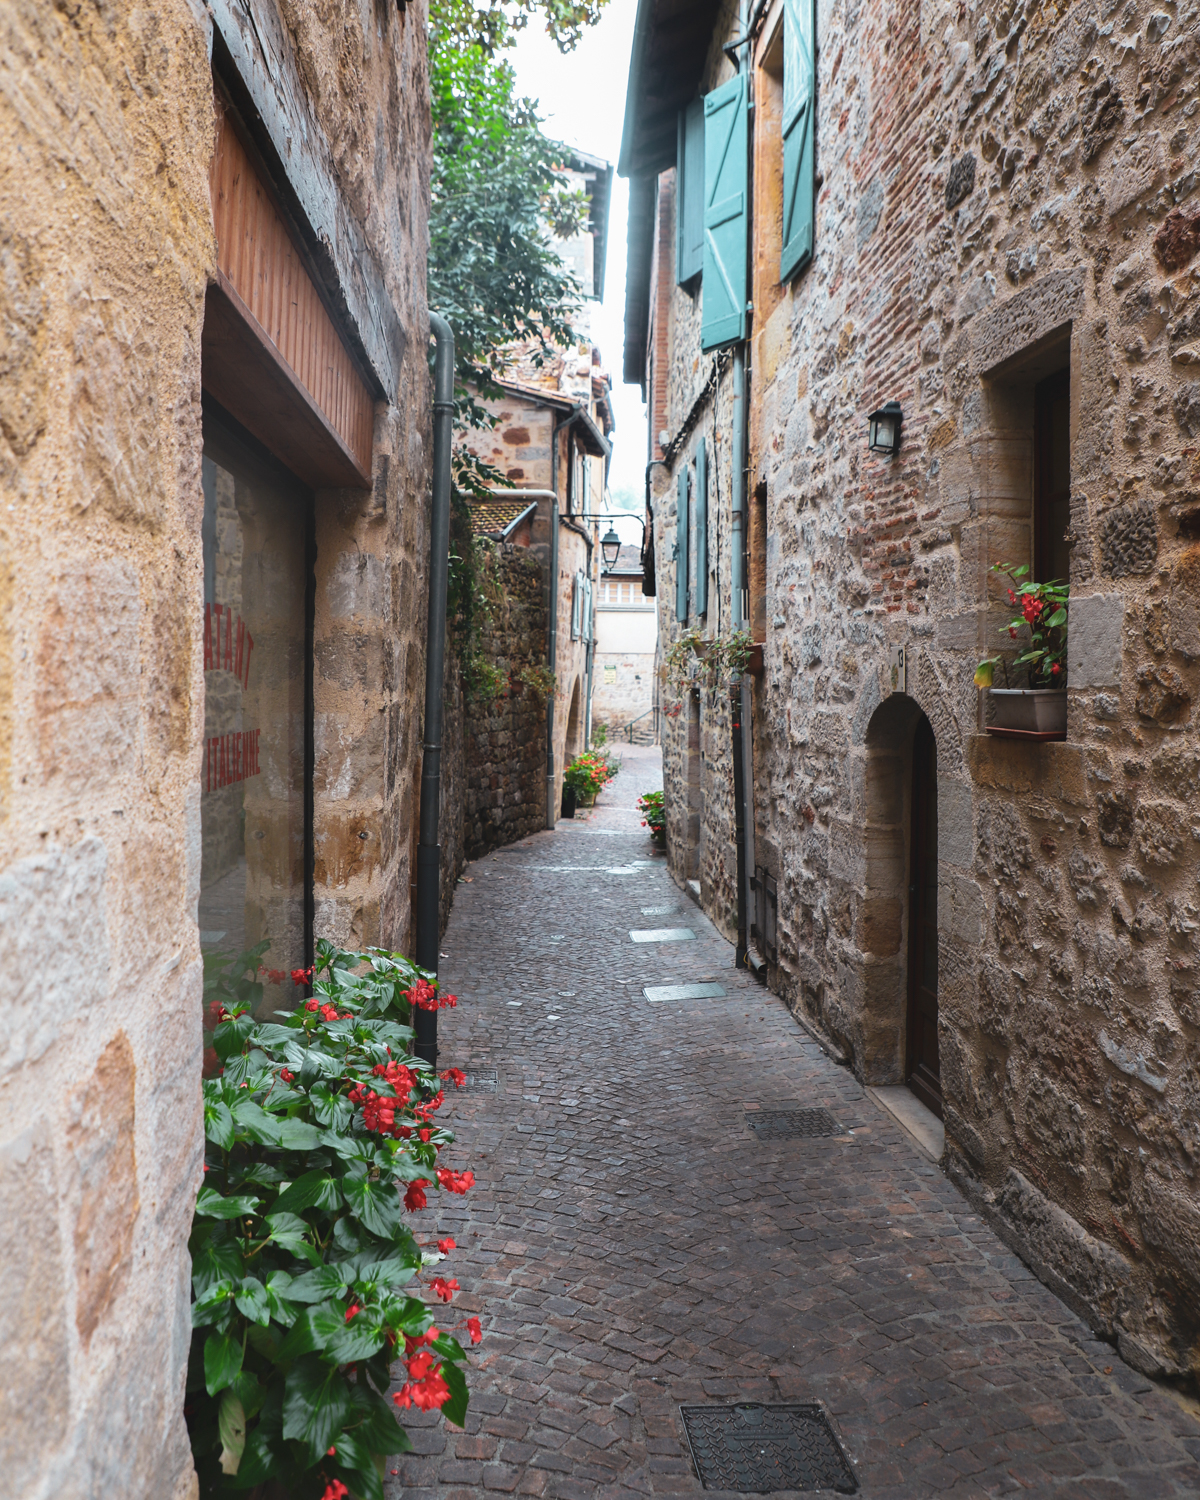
587,773
1043,608
303,1269
654,816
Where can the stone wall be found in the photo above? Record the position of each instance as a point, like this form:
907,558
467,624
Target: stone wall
506,737
1004,190
106,244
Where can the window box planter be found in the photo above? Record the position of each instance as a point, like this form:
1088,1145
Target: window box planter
1021,713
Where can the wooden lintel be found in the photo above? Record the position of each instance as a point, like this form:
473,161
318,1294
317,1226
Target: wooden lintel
243,370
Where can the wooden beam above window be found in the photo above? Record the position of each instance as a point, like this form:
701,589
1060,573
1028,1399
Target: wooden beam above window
272,354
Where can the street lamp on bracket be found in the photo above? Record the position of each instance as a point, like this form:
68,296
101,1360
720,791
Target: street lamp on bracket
610,542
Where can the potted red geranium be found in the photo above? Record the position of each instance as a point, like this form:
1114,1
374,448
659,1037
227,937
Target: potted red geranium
1040,708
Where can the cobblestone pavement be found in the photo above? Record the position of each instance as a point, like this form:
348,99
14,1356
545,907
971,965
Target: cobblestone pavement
631,1244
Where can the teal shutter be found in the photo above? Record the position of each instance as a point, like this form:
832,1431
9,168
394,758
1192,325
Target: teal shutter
799,135
681,547
724,316
701,590
689,193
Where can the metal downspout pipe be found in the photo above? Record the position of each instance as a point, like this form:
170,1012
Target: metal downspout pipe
429,852
740,692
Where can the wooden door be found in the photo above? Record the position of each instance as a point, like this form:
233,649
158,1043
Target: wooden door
924,1077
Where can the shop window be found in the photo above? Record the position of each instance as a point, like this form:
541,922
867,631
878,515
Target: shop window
256,772
1052,478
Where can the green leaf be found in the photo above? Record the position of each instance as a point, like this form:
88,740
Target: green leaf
220,1260
449,1347
222,1361
279,1298
375,1204
316,1286
262,1459
251,1300
358,1339
379,1429
215,1301
310,1332
231,1425
211,1205
316,1404
252,1120
455,1410
1057,618
315,1189
249,1392
218,1123
296,1135
356,1460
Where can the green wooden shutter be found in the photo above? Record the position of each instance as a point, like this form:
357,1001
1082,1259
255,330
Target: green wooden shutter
799,135
681,547
701,509
724,315
689,193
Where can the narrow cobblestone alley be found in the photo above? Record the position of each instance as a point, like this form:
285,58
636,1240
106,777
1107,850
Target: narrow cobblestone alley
632,1245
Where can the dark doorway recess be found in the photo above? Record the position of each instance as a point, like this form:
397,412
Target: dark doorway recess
1052,478
921,1068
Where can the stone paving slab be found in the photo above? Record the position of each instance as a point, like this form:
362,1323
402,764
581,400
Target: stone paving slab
632,1247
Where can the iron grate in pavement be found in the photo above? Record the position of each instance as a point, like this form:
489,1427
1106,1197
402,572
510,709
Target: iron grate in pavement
755,1450
481,1081
779,1124
657,992
663,935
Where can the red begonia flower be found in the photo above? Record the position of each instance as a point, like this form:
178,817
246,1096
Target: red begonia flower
475,1329
414,1197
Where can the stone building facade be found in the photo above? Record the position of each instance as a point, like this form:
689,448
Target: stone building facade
624,676
1003,239
212,550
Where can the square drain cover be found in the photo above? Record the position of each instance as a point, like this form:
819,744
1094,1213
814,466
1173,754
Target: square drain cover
663,935
808,1124
481,1080
656,992
756,1449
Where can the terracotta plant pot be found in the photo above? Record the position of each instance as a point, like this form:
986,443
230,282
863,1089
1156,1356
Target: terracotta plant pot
1029,711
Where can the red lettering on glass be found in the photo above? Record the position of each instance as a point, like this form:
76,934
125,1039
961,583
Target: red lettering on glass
249,648
208,645
239,647
227,655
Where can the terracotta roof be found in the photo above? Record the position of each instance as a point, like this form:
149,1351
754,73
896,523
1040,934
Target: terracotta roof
496,517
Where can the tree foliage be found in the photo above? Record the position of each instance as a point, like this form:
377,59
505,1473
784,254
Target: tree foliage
493,26
498,193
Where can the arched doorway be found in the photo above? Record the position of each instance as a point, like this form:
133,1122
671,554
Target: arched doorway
922,1072
899,903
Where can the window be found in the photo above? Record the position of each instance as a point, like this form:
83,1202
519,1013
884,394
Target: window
1052,478
689,193
255,775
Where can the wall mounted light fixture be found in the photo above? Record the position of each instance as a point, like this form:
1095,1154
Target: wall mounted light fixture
883,429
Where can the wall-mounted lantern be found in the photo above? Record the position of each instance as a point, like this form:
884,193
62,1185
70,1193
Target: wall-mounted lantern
610,546
883,429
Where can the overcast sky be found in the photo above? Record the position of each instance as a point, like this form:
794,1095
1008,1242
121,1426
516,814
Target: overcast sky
582,102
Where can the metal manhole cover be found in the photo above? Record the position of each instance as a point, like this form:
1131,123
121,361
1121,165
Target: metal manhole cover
807,1124
481,1080
755,1449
